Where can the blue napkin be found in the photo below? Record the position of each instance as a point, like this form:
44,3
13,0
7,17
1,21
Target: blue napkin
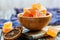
2,21
54,21
16,24
55,16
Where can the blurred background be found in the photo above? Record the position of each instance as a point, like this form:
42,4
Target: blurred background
10,8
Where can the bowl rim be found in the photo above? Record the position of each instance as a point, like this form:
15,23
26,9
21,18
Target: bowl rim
50,15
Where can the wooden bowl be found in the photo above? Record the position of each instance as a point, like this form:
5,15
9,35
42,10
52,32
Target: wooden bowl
13,34
36,23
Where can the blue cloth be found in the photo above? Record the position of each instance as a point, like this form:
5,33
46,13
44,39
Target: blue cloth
2,21
16,23
55,16
54,21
